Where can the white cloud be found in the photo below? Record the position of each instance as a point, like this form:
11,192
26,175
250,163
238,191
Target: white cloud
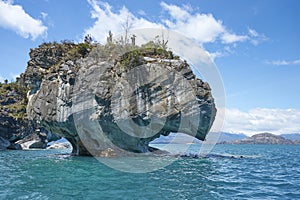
176,12
283,62
142,12
256,38
44,15
14,76
214,55
227,50
232,38
277,121
9,1
253,32
107,20
203,28
13,17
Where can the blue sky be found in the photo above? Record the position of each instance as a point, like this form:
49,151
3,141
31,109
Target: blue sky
255,45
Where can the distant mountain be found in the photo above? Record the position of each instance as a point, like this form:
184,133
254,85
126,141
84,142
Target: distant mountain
175,138
264,138
229,137
183,139
292,136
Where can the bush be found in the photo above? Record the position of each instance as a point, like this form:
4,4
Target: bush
83,49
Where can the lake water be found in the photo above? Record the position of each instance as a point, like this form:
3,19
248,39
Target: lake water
263,172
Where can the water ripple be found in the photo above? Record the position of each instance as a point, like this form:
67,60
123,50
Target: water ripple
264,172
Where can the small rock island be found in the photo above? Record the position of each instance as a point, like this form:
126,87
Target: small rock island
102,98
263,138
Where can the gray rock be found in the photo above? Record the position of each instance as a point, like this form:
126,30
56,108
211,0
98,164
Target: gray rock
14,124
56,145
12,93
14,146
4,143
13,129
37,140
38,145
113,106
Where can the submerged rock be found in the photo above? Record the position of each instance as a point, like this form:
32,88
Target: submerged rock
37,140
61,145
14,146
108,104
4,143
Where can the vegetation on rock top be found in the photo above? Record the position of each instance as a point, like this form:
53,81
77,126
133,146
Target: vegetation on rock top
58,63
13,100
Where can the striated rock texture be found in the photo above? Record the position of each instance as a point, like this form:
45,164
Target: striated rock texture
110,100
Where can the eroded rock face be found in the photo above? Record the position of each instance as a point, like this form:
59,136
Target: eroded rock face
109,106
15,128
13,122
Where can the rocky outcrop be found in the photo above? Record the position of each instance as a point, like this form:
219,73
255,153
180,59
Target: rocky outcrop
59,145
265,138
37,140
16,130
4,143
110,102
14,125
44,60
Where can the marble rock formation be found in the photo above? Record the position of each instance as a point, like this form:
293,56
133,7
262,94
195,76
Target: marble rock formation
111,104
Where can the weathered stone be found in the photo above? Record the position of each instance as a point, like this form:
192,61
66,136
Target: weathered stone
38,145
4,143
14,124
37,139
62,145
110,106
14,146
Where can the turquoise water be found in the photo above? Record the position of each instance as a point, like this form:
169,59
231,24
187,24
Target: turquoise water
264,172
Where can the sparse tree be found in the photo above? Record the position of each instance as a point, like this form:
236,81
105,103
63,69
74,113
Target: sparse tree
164,41
110,37
126,26
6,81
88,39
133,40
